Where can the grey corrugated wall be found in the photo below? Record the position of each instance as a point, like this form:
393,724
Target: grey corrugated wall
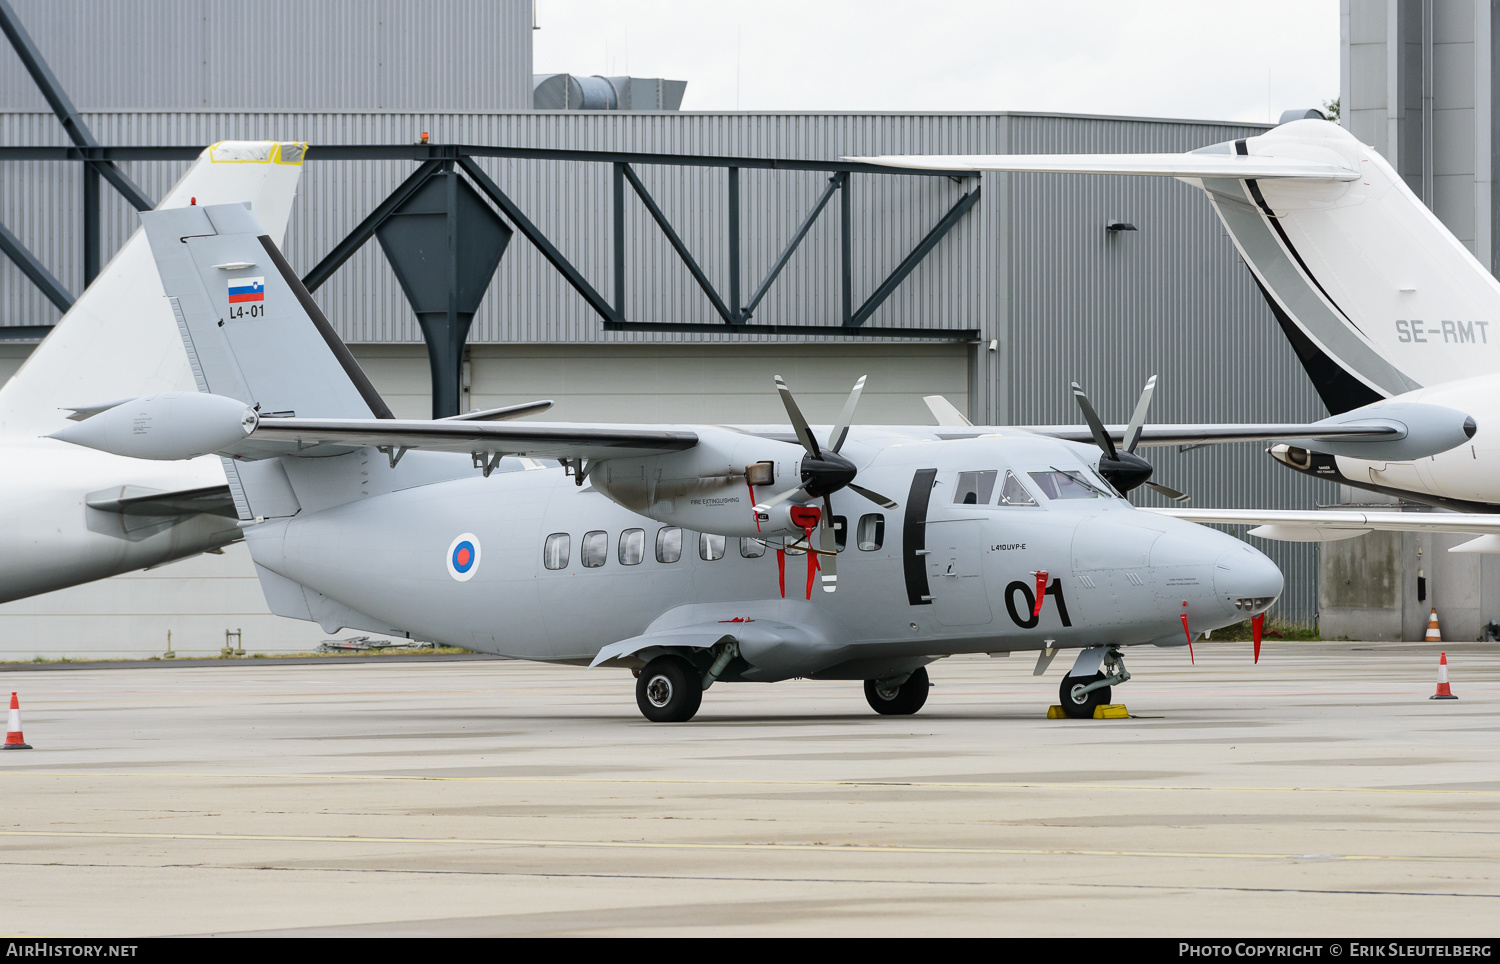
1031,266
277,54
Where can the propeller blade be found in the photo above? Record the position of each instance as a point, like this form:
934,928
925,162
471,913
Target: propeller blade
1138,418
799,424
873,496
1169,492
841,427
1101,437
828,541
777,499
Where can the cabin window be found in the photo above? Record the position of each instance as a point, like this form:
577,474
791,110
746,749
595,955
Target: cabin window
1014,493
871,533
751,548
840,532
710,546
974,488
595,549
632,547
669,544
1060,484
555,550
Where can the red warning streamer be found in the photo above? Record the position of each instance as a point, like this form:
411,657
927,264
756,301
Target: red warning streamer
1257,626
1041,593
1189,634
805,517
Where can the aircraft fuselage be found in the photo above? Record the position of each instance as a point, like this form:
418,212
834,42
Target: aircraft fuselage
915,583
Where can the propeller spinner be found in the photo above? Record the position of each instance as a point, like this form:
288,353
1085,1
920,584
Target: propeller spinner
823,471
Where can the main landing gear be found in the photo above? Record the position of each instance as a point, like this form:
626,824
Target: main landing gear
898,697
669,690
1088,683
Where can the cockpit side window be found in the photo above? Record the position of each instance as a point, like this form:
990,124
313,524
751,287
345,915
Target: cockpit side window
974,488
1060,485
1014,493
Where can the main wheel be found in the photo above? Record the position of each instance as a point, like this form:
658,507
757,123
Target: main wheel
902,700
1081,707
668,690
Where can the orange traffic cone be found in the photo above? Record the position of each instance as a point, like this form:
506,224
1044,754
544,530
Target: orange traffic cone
1443,692
13,738
1433,635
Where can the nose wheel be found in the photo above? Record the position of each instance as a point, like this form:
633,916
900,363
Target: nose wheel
1077,700
1080,695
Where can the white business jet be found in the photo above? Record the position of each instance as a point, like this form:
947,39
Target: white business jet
1380,301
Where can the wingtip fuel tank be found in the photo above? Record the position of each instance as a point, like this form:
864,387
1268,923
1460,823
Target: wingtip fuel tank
170,426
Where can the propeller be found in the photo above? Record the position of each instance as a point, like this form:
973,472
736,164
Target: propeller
823,471
1124,469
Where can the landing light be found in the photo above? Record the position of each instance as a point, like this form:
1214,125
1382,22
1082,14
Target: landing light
761,473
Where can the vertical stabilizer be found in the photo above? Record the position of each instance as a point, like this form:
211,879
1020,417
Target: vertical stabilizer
119,340
251,330
1373,291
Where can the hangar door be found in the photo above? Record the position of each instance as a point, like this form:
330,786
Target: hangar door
686,383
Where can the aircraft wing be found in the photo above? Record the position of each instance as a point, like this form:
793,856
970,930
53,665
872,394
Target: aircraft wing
1191,434
1326,525
554,440
1191,165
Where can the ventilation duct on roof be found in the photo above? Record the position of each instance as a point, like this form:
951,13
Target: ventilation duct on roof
571,92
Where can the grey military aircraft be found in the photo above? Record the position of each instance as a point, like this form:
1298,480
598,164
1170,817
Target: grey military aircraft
686,553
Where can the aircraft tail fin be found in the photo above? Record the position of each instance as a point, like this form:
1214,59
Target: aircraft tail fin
119,339
253,332
1375,294
251,329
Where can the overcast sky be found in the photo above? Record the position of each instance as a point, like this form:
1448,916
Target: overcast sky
1211,59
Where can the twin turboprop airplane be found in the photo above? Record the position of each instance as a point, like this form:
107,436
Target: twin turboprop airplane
70,515
664,548
1382,304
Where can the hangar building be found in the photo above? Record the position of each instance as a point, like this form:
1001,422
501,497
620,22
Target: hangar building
1022,289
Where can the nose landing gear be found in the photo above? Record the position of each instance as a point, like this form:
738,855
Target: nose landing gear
1081,691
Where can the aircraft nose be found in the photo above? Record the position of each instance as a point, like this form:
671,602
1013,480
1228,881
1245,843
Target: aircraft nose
1247,582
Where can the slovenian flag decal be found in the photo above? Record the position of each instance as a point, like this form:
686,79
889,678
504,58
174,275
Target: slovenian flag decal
243,291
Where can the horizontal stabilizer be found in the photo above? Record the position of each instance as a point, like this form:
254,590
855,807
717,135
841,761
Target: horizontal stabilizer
82,413
1151,165
137,500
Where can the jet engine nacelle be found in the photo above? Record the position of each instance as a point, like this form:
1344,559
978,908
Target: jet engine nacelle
711,487
168,427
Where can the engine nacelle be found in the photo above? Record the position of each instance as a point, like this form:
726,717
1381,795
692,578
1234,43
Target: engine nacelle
166,427
705,488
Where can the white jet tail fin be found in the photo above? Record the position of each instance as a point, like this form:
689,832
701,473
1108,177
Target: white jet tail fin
119,340
1375,294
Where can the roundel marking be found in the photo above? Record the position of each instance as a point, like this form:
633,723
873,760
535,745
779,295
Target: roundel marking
463,557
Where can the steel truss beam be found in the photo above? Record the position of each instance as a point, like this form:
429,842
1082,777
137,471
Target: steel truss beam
33,269
735,317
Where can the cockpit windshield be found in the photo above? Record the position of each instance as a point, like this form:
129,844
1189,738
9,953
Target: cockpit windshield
1060,484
